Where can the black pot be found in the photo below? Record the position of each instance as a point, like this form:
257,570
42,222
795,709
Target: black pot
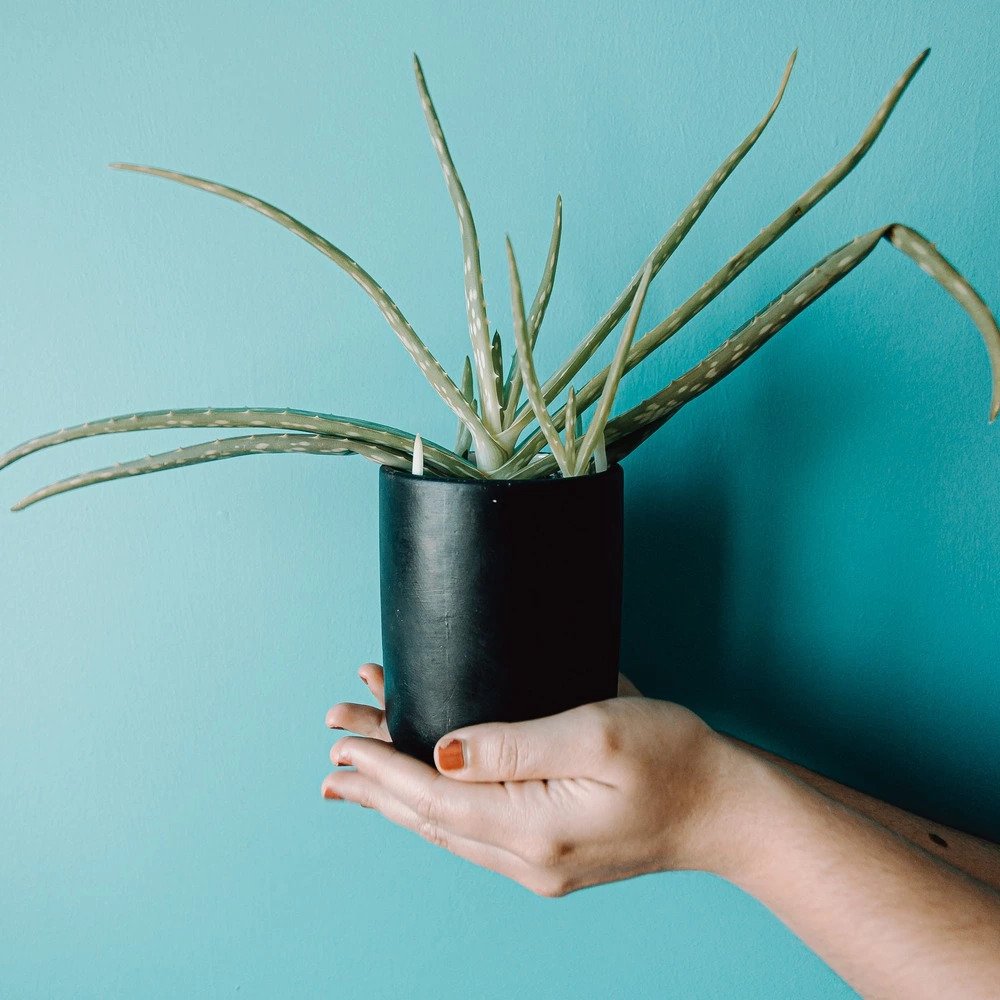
501,600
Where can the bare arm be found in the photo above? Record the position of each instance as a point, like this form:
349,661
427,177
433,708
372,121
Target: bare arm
888,917
635,785
962,851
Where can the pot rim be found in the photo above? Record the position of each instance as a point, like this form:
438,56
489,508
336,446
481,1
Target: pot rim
613,470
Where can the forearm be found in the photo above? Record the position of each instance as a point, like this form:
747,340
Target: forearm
886,916
970,854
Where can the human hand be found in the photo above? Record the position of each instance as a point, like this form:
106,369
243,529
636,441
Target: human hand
596,794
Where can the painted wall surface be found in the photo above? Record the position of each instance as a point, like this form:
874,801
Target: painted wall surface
813,546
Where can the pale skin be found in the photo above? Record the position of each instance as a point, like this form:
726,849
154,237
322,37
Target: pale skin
634,785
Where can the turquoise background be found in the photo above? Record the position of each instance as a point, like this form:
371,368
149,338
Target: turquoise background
813,546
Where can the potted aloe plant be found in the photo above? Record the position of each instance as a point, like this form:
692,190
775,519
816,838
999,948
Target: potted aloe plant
467,613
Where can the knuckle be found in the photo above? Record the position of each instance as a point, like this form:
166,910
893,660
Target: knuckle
548,853
432,833
426,806
551,886
606,734
342,750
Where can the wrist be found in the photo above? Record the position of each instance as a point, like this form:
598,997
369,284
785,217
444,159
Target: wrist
729,836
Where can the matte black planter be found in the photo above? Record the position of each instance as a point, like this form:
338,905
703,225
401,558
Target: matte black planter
501,600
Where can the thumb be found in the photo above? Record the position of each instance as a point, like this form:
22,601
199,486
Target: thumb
554,747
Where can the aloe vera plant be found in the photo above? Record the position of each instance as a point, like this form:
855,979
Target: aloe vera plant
498,435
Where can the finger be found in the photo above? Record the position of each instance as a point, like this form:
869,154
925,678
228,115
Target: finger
573,744
626,689
354,786
374,678
479,812
365,720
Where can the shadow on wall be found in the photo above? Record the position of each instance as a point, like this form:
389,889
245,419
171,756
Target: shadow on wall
694,634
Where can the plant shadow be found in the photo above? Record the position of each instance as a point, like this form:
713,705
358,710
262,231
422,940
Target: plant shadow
698,629
677,645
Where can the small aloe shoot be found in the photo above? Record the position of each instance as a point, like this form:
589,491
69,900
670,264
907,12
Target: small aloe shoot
463,441
417,465
497,434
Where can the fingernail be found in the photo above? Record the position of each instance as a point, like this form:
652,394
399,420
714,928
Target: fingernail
451,756
364,680
329,793
329,720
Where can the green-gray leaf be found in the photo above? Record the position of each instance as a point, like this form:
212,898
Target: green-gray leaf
415,347
439,459
212,451
630,429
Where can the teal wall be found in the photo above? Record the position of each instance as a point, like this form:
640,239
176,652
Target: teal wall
813,546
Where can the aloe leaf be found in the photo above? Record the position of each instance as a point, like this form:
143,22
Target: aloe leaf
570,434
633,427
926,255
539,467
378,435
603,409
513,384
463,440
211,451
475,301
496,361
527,364
684,313
414,346
660,254
600,454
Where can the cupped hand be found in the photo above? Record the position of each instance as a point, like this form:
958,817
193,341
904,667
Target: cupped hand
596,794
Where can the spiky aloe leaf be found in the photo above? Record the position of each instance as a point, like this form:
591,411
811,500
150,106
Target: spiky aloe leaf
527,363
570,433
463,440
513,384
212,451
475,301
684,313
540,467
660,254
414,346
378,435
603,409
496,362
633,427
600,455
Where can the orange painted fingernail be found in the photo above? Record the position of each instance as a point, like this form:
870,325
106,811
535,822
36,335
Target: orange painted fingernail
451,756
329,793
